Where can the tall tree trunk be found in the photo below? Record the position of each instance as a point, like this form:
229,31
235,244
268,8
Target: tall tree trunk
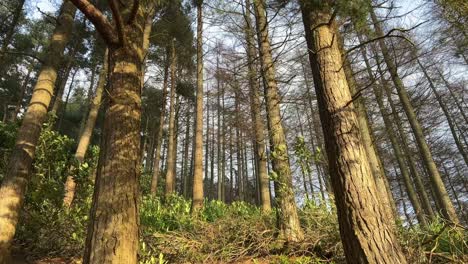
185,167
367,233
255,105
113,228
288,218
62,83
63,109
389,130
441,194
446,113
381,181
212,158
405,146
170,172
197,201
17,176
159,137
85,138
207,145
454,97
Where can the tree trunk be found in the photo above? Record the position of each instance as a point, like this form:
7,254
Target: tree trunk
198,159
288,218
159,137
381,181
17,176
389,130
446,113
367,233
63,109
85,138
441,194
185,167
170,172
255,105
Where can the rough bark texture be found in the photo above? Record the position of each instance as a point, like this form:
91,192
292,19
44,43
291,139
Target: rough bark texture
17,176
287,211
113,228
367,234
440,192
85,138
381,181
254,85
171,166
197,202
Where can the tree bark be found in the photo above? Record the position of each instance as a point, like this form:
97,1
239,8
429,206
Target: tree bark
255,106
197,201
367,233
440,192
389,130
85,138
381,181
17,176
171,166
288,219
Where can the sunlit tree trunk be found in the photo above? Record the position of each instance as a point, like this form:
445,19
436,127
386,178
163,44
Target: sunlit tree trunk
17,176
113,227
254,92
288,219
197,201
381,181
390,131
367,233
440,192
85,138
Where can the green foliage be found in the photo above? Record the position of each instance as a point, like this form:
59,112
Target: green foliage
52,159
7,143
47,229
440,241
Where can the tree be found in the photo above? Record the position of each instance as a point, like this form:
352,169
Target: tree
113,228
367,233
197,199
255,105
287,211
14,184
441,195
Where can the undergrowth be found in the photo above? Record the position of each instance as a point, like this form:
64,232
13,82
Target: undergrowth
221,233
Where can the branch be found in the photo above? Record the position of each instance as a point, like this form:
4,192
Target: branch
23,54
389,34
98,19
133,14
118,21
